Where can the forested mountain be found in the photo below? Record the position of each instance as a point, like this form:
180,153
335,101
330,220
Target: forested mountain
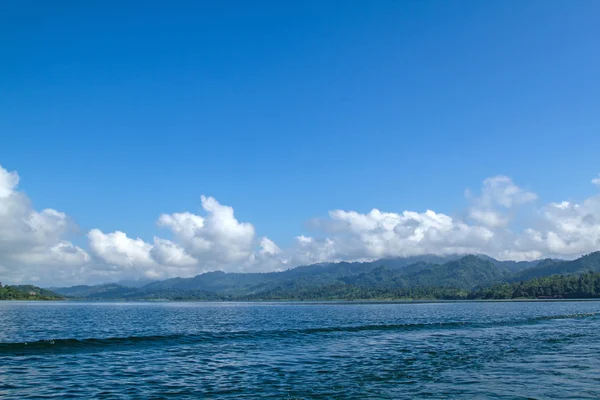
106,291
586,285
413,277
316,274
231,285
451,280
465,273
512,266
27,292
548,267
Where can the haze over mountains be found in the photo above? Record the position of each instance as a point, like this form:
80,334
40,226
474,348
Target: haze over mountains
312,281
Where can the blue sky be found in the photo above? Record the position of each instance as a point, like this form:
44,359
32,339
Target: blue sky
115,113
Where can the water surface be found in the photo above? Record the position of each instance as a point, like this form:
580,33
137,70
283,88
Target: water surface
293,350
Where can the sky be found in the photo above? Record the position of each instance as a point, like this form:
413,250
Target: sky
146,140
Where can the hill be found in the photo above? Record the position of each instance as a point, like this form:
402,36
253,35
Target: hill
410,277
465,273
97,292
582,286
221,285
27,292
548,267
452,279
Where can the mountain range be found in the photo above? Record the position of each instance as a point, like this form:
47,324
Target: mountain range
395,276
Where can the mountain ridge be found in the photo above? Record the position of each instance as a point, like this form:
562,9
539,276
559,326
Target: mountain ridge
27,292
461,272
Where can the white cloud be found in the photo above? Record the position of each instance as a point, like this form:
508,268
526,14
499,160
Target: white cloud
308,250
215,241
31,242
8,182
63,253
381,234
34,245
118,249
566,229
134,257
562,230
166,252
489,218
596,181
499,195
500,190
216,238
268,247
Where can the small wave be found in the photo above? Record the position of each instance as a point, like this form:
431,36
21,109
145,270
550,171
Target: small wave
75,344
99,344
566,316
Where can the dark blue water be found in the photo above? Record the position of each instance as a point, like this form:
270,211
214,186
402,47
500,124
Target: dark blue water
249,350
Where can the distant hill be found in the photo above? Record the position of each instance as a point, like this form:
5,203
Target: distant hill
219,284
135,283
512,266
27,292
423,276
548,267
462,274
465,273
578,286
316,274
97,292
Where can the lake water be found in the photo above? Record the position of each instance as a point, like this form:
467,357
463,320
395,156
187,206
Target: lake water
294,350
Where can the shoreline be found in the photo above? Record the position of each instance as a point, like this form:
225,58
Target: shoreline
338,301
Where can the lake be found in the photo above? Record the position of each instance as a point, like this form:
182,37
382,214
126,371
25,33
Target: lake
508,350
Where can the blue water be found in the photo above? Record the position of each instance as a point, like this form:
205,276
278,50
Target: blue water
293,350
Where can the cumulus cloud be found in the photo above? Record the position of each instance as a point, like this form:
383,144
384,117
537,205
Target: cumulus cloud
562,230
166,252
502,191
596,181
567,229
217,237
34,244
268,247
499,195
8,182
489,218
382,234
216,240
118,249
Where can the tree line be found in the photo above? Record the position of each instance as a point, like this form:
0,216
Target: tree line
582,286
26,292
586,285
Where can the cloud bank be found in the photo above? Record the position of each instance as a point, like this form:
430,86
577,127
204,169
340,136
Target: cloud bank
34,245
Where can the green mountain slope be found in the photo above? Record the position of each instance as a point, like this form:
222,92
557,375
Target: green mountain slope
465,273
97,292
590,262
411,277
27,292
586,285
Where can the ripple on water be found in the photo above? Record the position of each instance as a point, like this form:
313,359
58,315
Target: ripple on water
460,350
